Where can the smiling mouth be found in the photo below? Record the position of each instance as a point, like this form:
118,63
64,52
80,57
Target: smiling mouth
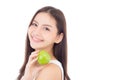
37,39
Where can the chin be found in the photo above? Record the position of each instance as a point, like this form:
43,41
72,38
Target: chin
36,47
33,46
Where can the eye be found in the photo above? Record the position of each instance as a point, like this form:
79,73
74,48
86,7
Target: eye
46,28
34,24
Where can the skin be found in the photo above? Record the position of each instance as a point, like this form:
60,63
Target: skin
42,35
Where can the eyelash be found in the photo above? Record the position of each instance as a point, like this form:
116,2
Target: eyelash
34,24
46,28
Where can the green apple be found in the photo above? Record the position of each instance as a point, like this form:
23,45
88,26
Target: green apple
43,57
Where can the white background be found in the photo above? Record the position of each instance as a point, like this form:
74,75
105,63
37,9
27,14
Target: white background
93,28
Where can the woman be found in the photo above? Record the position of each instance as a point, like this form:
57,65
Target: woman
47,31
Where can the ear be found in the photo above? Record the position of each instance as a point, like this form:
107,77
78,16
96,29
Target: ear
59,38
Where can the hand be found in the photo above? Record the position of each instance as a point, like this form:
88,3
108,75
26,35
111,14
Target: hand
32,67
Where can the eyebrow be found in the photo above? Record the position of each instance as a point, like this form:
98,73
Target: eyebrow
35,21
43,24
47,25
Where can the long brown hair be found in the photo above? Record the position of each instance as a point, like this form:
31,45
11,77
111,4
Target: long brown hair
60,49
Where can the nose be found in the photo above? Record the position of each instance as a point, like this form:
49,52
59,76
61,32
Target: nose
37,31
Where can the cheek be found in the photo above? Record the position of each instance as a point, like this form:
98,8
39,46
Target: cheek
50,38
30,29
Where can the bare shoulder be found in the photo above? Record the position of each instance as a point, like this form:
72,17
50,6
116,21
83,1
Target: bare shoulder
50,72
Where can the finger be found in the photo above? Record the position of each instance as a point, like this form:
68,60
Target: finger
35,52
32,56
34,60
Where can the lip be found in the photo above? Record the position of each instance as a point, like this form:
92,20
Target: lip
35,39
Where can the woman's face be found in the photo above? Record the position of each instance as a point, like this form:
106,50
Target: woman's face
43,32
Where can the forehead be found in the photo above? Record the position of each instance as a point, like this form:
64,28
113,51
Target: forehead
45,18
